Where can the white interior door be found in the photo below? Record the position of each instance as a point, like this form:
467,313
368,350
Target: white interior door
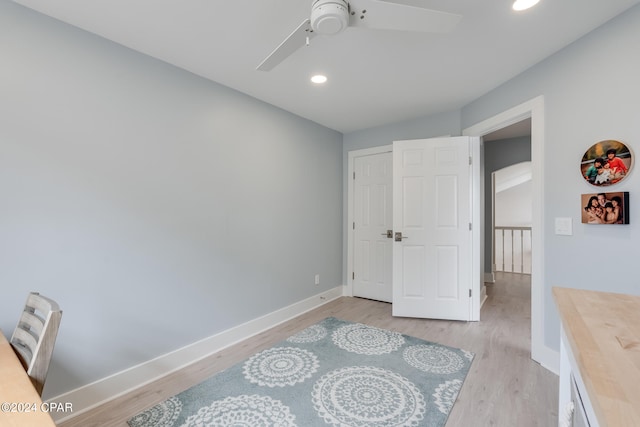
372,257
432,262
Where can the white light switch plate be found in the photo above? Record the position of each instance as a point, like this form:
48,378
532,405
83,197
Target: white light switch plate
564,226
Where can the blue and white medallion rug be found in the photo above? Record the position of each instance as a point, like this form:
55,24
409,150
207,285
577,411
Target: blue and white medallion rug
334,373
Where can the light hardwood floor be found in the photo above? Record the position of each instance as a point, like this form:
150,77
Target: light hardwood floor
503,388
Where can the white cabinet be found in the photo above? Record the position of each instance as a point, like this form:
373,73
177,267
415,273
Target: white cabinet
579,418
599,358
574,406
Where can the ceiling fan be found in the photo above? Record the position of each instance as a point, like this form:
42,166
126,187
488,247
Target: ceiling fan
329,17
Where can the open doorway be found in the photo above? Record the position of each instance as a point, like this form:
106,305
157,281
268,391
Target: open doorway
512,206
507,198
508,221
533,109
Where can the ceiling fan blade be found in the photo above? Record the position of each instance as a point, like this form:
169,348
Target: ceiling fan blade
293,42
400,15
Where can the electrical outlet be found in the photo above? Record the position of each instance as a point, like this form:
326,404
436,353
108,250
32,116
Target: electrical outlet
317,279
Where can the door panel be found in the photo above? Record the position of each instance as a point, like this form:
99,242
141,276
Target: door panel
431,208
412,191
446,206
447,274
372,218
413,271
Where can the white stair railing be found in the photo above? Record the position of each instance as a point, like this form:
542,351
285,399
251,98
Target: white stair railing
512,249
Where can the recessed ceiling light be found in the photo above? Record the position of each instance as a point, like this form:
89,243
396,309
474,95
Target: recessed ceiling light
319,79
524,4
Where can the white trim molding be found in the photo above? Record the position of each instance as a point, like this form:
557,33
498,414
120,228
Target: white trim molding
106,389
533,108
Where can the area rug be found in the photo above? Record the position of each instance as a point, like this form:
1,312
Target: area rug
332,373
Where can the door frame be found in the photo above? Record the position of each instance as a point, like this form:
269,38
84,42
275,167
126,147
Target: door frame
351,156
534,109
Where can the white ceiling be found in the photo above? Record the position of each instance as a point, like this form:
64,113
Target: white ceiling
375,77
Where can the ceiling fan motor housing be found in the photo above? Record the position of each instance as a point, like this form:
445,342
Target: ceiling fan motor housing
329,16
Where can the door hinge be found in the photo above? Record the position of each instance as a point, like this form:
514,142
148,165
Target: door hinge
354,175
353,275
470,160
354,225
470,227
470,293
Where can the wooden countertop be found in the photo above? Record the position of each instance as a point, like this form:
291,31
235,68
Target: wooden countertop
21,404
603,330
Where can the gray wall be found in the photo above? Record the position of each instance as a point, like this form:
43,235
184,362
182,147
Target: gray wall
591,93
497,155
160,208
157,207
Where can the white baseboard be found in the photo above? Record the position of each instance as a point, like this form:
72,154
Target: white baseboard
99,392
550,360
489,278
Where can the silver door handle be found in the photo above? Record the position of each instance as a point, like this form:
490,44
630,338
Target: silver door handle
389,234
399,236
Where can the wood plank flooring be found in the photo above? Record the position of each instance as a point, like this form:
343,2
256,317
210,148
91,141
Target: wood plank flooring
503,388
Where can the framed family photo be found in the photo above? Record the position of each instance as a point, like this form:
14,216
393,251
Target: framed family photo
606,162
605,208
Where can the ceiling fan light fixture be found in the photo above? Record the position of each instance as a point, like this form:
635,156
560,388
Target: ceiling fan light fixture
319,79
329,16
524,4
